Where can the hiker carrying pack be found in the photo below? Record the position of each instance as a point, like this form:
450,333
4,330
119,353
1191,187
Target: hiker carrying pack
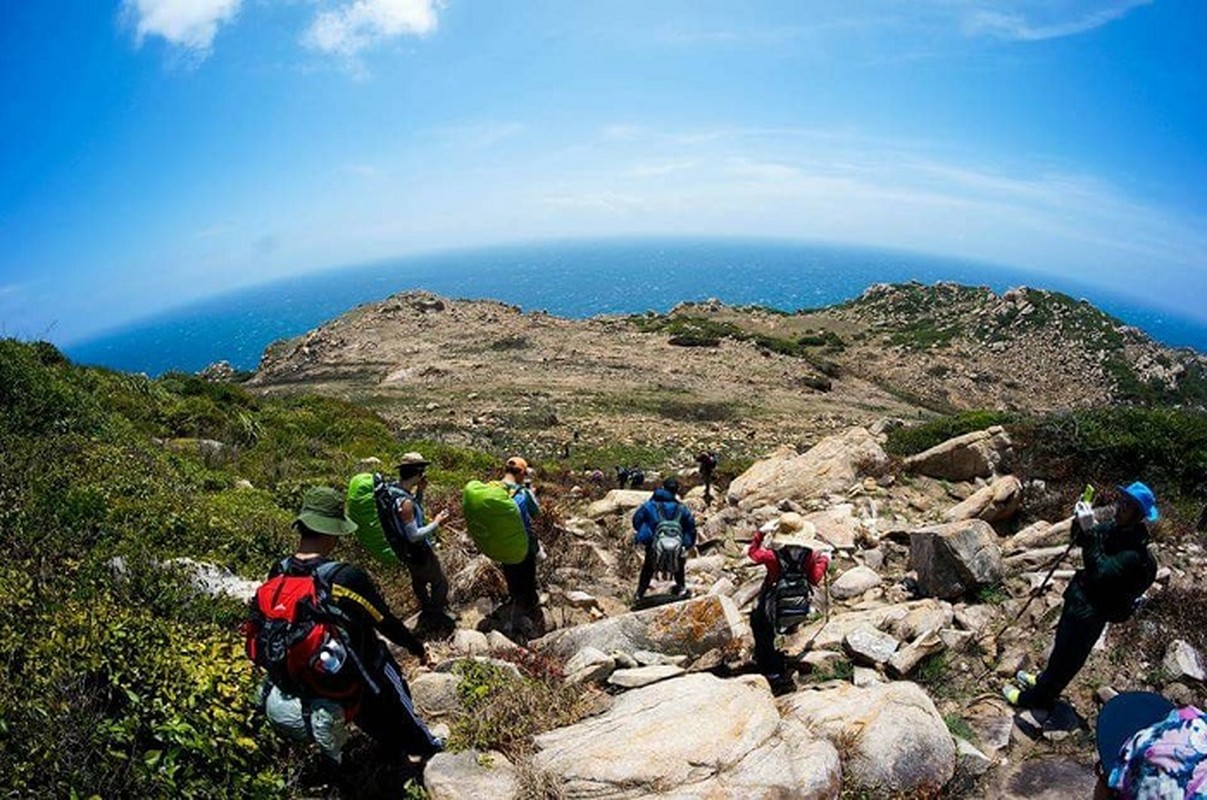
667,529
795,563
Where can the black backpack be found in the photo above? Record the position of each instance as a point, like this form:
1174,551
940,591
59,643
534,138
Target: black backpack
789,604
386,495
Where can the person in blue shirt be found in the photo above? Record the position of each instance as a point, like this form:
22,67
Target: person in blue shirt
664,506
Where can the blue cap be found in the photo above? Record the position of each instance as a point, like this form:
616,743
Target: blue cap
1145,498
1120,719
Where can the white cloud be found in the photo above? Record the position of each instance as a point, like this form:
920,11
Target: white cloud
352,27
1015,26
188,24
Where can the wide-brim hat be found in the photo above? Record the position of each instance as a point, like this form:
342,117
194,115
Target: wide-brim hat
1122,717
323,512
792,529
1143,497
411,459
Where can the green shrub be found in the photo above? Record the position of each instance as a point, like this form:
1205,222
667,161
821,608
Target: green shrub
914,439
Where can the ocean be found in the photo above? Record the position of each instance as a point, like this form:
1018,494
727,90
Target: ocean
571,279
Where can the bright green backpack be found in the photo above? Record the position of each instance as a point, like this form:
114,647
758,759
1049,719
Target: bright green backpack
494,521
362,509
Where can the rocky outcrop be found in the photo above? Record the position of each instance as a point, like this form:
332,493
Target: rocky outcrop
993,503
617,501
954,559
832,465
692,628
692,737
891,736
980,454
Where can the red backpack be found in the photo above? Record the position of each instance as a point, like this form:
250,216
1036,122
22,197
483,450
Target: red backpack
296,634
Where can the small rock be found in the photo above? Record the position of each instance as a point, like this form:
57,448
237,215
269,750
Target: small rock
644,676
854,582
243,483
865,676
471,643
581,600
867,645
970,760
1182,661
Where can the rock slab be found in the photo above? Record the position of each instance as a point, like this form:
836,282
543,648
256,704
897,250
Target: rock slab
954,559
832,465
459,776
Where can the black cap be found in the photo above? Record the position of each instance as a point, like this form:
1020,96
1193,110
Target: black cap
1124,715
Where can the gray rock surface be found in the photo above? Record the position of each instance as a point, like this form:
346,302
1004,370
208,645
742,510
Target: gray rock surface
854,582
955,558
973,455
866,645
832,465
470,774
1183,661
644,676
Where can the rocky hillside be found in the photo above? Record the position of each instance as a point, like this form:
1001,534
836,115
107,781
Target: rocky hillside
487,374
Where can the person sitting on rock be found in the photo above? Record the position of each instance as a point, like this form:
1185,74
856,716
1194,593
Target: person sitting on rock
417,545
314,625
667,529
795,562
1117,569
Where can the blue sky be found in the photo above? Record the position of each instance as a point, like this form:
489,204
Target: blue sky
156,151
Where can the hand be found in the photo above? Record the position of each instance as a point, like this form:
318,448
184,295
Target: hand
441,517
1084,513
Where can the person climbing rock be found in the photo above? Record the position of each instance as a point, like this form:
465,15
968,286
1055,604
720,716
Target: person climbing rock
1117,568
795,561
521,577
414,543
314,625
667,530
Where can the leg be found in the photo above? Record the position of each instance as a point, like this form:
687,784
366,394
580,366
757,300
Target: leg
769,660
419,583
681,576
647,572
1075,637
389,717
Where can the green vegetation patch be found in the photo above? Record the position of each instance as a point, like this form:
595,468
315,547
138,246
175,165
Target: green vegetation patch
914,439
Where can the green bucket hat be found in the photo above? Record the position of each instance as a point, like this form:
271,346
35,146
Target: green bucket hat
323,512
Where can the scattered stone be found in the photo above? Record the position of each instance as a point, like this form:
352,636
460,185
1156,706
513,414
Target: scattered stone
867,645
854,582
723,586
644,676
865,676
435,693
891,735
617,501
497,641
470,643
994,503
970,760
370,464
822,660
1183,661
927,616
992,721
588,665
244,483
837,525
903,662
954,559
213,580
578,599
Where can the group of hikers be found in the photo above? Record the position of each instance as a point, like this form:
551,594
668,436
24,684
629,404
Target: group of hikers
315,622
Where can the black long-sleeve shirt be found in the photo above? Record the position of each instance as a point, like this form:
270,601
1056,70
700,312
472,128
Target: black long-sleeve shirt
354,593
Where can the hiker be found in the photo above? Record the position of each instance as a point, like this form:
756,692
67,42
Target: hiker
415,547
1117,569
636,478
1148,747
314,626
795,561
708,462
667,530
622,477
521,577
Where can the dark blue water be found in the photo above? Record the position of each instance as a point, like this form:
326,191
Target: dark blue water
573,279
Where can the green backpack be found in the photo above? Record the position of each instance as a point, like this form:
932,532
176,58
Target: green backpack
362,509
494,522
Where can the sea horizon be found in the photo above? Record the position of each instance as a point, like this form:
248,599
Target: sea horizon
575,278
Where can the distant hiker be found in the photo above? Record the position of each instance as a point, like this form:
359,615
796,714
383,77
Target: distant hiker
636,478
1117,568
1149,748
708,462
521,577
314,625
622,477
795,562
667,530
413,541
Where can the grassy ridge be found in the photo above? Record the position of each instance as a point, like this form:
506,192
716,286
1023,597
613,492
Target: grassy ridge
115,677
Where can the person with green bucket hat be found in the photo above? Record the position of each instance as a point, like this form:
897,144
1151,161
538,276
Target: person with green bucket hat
345,601
1118,566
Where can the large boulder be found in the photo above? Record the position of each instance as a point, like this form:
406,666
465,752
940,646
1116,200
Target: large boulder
617,501
837,525
692,628
974,455
956,558
891,735
692,737
468,774
996,502
855,582
832,465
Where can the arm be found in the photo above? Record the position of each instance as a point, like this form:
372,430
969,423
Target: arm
641,524
413,533
816,568
1100,567
759,554
354,592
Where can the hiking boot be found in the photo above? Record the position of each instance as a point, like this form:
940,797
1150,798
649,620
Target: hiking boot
1026,680
1011,693
677,591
